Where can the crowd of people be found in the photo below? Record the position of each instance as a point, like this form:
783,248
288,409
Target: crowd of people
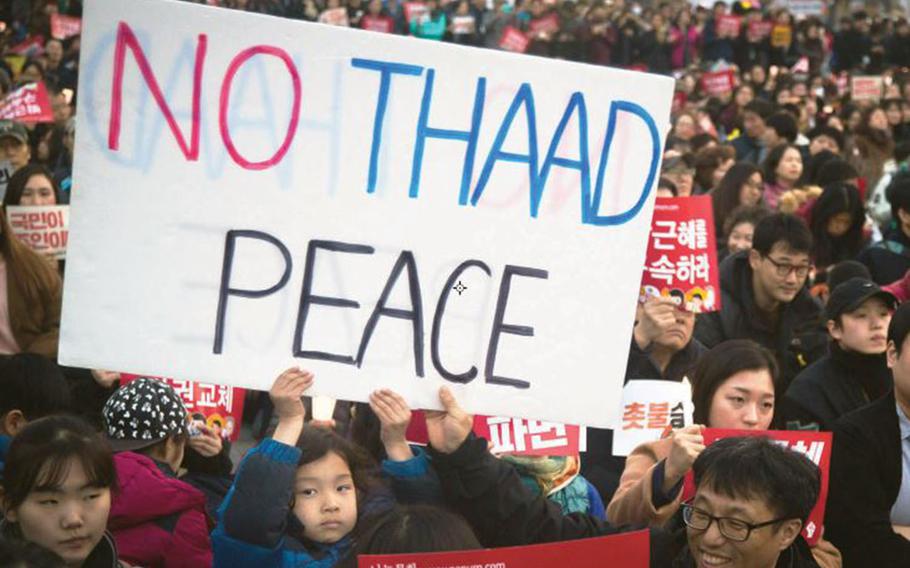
809,176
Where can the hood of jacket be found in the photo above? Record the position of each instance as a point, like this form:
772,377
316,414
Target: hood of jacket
147,492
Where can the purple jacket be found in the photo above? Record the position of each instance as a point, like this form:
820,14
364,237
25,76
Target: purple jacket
156,519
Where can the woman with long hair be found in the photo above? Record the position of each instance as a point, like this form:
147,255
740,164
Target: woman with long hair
30,298
741,186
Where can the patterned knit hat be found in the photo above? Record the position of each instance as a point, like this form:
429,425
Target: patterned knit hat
143,413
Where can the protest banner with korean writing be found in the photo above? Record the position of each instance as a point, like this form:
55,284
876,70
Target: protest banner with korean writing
682,254
219,406
63,27
44,228
382,24
6,172
805,8
814,445
28,103
516,436
866,87
649,409
33,46
463,24
718,83
728,25
514,40
334,17
759,29
630,550
547,25
383,211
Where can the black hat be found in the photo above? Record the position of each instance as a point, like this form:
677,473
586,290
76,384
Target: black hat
143,413
851,294
13,129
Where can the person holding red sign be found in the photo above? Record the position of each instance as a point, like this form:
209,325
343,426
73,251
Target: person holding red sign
868,514
855,371
752,498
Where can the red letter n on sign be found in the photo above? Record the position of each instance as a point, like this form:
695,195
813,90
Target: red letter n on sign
126,38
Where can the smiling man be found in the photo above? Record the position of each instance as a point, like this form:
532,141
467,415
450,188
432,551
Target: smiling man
751,500
855,370
765,298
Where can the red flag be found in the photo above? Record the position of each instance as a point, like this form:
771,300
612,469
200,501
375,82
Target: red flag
28,103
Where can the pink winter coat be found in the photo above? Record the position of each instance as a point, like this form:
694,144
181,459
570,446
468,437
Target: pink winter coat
156,519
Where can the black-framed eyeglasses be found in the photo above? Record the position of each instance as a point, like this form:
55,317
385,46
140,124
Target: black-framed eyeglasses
784,269
734,529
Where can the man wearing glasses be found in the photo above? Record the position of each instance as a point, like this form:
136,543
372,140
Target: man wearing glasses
764,297
751,499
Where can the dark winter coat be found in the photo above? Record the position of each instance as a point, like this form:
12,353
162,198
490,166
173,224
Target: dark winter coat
866,470
799,337
488,493
104,555
888,260
833,386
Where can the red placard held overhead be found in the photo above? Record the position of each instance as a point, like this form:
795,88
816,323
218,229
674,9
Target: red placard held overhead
718,83
513,40
815,445
220,405
629,550
682,254
547,25
63,27
760,29
728,26
28,103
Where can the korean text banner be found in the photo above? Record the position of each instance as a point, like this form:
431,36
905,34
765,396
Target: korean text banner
682,254
629,550
814,445
381,210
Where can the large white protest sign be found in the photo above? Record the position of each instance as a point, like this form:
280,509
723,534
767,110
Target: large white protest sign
256,193
649,408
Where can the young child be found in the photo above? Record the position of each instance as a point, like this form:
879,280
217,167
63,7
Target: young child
57,488
298,495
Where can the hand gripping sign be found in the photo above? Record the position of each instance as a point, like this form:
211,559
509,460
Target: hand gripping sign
383,211
815,445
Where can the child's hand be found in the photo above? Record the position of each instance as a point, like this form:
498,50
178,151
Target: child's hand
394,415
448,429
287,390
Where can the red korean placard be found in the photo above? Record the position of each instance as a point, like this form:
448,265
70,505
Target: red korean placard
221,406
63,27
516,436
682,254
814,445
718,83
630,550
28,103
513,40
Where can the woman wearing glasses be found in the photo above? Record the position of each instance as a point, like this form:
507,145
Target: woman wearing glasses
733,387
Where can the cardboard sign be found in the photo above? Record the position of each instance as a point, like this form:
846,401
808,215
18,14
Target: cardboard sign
339,203
516,436
728,26
335,17
682,254
649,409
815,445
414,11
63,27
760,29
633,548
6,172
781,36
381,24
44,228
219,406
718,83
514,40
866,87
546,25
28,103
